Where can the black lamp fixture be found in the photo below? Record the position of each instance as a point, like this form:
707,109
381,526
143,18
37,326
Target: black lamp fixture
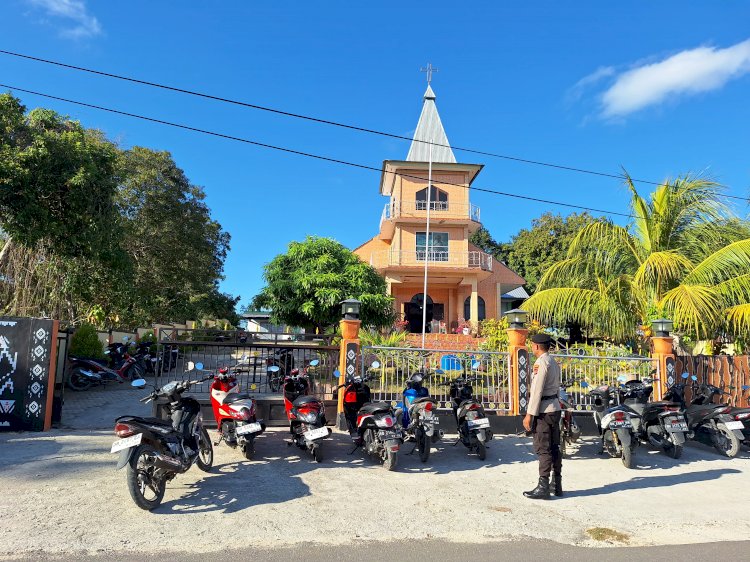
350,309
516,318
661,327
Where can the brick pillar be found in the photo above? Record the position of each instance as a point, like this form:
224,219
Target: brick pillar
663,356
347,362
518,357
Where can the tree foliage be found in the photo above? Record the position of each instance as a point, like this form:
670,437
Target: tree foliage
305,286
92,231
685,255
532,251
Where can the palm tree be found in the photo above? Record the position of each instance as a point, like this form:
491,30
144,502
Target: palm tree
684,255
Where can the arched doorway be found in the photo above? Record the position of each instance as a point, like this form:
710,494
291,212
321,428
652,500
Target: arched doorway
467,308
413,313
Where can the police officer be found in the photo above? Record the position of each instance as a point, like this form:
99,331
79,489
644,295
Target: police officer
543,418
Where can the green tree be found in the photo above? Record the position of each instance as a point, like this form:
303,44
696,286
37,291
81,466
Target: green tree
685,255
305,286
532,251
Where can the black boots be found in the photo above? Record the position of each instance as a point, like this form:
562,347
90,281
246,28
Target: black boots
541,492
555,484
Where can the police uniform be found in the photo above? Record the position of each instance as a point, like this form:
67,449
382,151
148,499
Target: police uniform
544,409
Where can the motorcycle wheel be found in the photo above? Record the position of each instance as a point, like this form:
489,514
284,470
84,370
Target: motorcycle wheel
78,382
146,490
627,457
205,458
726,441
673,451
391,460
423,442
249,450
481,450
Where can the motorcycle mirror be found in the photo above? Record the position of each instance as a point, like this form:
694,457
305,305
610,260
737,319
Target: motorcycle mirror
375,364
584,384
138,383
475,365
314,363
190,366
684,375
199,366
336,374
622,378
745,387
273,369
124,339
439,372
694,378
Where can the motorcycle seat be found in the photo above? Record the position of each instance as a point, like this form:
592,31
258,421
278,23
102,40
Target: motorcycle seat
236,397
424,399
151,421
375,408
303,400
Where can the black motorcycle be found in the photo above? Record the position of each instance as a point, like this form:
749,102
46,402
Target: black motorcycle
471,420
156,450
283,358
711,424
372,425
569,429
662,424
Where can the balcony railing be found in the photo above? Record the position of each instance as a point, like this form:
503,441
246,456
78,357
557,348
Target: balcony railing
441,258
438,209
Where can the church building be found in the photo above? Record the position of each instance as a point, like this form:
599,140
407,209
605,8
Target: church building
463,282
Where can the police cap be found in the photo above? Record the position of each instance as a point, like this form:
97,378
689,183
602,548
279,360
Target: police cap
543,339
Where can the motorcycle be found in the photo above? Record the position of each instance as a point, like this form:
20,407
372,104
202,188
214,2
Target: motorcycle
306,413
283,358
84,372
418,417
472,422
709,423
156,450
372,425
569,430
235,413
614,423
661,424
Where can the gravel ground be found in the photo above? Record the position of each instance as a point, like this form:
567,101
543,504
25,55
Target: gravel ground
62,495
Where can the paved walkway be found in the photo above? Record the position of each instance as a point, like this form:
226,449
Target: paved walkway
97,407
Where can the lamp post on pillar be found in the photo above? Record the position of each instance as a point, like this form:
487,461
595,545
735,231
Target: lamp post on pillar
519,359
349,352
663,355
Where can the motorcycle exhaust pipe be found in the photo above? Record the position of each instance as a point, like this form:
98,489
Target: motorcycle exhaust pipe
166,462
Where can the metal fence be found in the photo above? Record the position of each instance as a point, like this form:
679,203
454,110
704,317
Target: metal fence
597,370
250,360
240,336
440,365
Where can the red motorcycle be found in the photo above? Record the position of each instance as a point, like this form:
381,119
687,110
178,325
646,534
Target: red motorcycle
235,413
306,413
84,372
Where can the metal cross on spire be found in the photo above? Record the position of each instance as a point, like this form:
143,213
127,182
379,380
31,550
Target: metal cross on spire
429,69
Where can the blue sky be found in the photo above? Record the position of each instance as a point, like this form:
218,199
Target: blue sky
658,88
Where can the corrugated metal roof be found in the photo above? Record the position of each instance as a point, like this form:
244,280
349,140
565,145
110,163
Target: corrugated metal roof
430,128
519,293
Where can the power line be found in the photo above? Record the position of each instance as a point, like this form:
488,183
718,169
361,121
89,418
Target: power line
308,154
333,123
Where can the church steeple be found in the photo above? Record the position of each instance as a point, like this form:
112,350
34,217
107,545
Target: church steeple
430,128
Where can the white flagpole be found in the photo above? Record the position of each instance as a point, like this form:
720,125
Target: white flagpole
427,246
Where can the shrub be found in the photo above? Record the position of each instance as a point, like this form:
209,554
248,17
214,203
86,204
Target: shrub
495,334
86,343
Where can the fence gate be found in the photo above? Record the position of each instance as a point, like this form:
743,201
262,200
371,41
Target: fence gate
440,366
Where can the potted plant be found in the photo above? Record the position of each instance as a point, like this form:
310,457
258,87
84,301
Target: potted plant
463,327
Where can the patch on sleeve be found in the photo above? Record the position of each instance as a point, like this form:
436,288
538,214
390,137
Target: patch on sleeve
536,368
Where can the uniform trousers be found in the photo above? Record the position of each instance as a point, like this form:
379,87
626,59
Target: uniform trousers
546,433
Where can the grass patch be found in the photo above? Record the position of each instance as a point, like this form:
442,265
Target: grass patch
605,534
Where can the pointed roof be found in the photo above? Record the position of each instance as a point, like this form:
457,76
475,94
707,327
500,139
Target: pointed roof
430,128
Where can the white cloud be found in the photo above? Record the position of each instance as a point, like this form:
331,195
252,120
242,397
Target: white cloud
578,89
685,73
78,23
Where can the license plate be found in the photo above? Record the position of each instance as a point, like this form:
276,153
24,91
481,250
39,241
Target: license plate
619,424
248,428
316,433
478,424
132,441
387,434
676,426
734,425
431,421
